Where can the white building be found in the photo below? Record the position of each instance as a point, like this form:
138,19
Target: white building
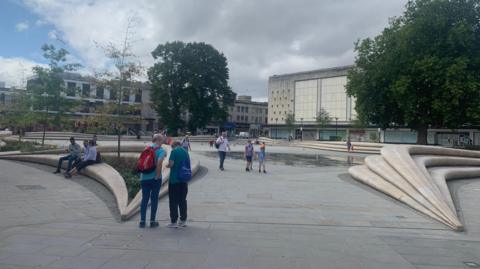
303,94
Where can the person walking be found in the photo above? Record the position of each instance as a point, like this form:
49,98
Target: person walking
248,153
349,145
177,189
261,158
74,151
151,183
223,146
186,143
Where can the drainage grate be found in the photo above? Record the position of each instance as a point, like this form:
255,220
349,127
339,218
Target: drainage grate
472,264
30,187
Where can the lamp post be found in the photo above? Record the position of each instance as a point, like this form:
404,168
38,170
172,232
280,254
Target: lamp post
276,127
336,128
301,129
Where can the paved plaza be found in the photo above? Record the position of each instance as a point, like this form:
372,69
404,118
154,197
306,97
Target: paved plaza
298,215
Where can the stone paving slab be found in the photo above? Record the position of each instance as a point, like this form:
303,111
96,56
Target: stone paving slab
292,217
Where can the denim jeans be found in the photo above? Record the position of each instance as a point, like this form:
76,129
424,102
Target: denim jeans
150,191
177,201
222,155
70,159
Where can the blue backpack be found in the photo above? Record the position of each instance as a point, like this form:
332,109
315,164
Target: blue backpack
184,171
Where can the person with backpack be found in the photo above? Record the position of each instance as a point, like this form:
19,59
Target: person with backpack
149,165
249,155
222,146
186,143
180,174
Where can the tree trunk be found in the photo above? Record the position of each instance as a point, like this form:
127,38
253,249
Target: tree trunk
422,134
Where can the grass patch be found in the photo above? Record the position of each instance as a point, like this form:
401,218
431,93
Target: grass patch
125,166
24,146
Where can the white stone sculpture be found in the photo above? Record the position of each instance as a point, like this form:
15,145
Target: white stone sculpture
417,175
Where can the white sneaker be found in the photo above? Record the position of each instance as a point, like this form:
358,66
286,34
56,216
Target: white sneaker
172,225
182,224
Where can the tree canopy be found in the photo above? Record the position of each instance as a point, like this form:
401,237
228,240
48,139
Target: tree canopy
422,70
190,78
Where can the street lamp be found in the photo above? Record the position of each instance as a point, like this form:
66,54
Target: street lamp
336,128
276,128
301,129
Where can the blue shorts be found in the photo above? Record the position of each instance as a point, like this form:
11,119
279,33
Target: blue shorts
249,158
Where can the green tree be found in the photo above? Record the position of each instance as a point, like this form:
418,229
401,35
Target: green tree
422,71
17,114
192,78
47,89
290,123
323,118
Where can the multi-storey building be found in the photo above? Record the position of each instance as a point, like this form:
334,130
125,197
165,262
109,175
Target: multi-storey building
304,94
247,116
93,96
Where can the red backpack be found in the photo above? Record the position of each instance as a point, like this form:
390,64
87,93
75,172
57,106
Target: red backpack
146,162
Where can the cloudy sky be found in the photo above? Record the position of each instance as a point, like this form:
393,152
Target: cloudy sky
259,37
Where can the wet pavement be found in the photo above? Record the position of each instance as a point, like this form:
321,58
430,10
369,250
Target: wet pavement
298,160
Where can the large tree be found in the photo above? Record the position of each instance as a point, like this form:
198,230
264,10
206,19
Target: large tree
190,78
46,90
422,71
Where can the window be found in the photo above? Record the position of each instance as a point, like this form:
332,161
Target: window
266,120
113,94
100,93
246,118
71,88
126,96
242,109
85,90
138,96
238,109
246,109
241,117
238,118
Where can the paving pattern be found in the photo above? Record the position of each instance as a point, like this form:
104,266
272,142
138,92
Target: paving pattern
291,217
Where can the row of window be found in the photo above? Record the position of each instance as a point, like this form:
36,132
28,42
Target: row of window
100,92
255,119
255,110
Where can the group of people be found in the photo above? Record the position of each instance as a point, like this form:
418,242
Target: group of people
223,146
77,161
177,188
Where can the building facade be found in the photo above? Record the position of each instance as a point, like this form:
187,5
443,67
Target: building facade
247,116
93,96
304,94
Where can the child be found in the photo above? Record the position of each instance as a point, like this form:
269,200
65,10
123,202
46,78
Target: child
261,158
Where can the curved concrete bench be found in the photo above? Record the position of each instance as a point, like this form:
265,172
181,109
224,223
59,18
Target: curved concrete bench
420,172
109,177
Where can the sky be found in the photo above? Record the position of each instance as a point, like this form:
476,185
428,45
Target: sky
259,38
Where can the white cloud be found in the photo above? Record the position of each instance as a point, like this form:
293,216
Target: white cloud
52,34
259,38
15,71
22,26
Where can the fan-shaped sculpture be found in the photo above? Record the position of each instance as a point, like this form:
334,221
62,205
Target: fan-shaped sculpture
417,175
